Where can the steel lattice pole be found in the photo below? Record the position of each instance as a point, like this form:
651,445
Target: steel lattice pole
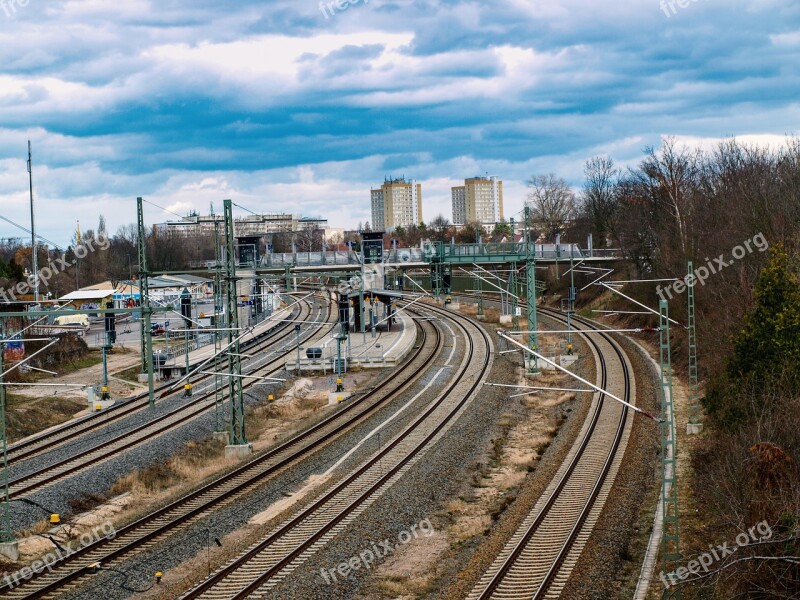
6,535
237,432
530,273
218,399
694,425
670,535
144,304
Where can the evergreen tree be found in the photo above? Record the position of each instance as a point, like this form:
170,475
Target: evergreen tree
766,352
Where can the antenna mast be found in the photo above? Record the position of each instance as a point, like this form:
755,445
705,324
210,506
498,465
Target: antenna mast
34,253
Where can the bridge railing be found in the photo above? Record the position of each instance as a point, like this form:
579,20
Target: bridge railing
505,250
492,251
299,259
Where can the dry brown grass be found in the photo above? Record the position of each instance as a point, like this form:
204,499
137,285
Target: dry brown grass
492,315
190,465
26,416
469,309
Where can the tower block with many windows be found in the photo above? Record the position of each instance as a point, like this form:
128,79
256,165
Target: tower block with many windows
479,200
397,203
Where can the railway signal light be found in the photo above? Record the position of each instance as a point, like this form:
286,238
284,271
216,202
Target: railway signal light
186,306
110,325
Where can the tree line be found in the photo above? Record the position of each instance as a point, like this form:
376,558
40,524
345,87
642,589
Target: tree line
680,204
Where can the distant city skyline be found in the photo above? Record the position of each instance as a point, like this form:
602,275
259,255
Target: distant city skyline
284,108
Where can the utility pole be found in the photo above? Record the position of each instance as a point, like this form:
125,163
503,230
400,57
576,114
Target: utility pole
530,273
513,294
187,388
34,252
570,301
478,280
238,445
218,399
144,301
8,544
78,260
186,313
343,308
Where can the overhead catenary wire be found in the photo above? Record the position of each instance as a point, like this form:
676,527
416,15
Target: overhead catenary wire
652,310
166,210
633,407
26,230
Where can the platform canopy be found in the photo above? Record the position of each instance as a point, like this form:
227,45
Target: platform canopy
87,295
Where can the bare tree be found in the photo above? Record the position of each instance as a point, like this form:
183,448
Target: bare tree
599,195
671,175
309,239
552,202
439,229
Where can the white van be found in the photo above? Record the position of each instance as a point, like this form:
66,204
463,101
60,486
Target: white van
73,320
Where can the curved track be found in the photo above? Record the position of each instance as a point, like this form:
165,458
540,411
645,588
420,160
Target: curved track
60,435
89,458
155,527
538,559
290,544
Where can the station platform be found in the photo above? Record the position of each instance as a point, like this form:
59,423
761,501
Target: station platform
175,361
385,350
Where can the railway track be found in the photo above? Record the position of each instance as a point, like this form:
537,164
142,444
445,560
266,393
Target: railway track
154,528
53,438
199,404
540,556
269,561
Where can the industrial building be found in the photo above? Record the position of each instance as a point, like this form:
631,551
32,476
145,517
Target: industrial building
251,225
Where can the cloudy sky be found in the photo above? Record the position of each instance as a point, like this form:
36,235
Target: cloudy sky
287,106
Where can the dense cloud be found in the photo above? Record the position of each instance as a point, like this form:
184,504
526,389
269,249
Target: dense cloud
283,106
